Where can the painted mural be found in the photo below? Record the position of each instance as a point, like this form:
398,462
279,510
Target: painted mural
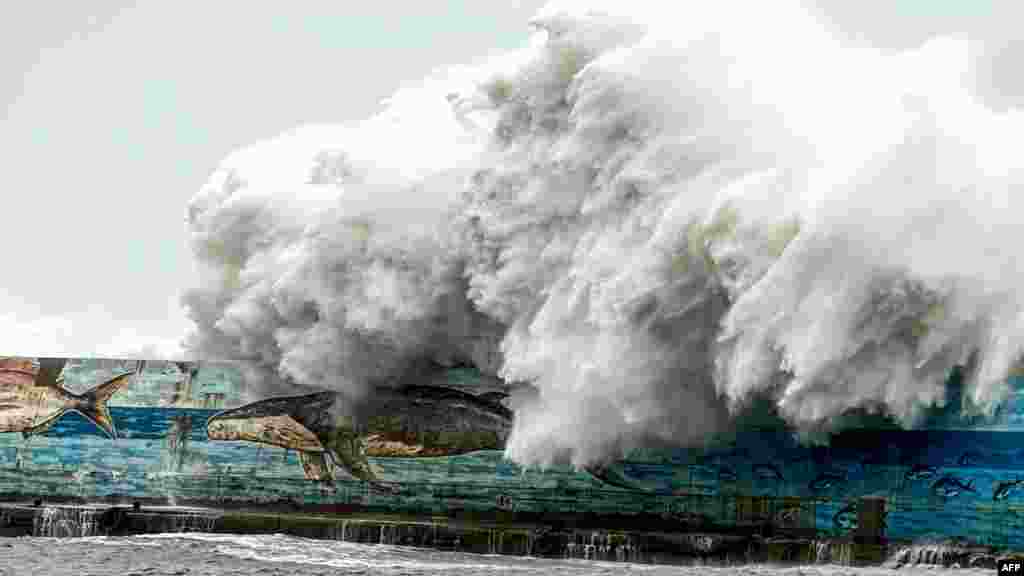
183,433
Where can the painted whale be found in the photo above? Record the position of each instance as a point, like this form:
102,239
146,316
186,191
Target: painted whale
33,397
409,422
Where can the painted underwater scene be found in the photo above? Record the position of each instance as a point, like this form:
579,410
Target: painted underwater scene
937,483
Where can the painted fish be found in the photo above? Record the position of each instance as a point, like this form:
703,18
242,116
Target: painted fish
825,481
950,487
846,518
727,474
33,397
789,515
1005,489
703,471
969,458
920,472
409,422
768,471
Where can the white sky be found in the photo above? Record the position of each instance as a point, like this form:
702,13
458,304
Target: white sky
116,112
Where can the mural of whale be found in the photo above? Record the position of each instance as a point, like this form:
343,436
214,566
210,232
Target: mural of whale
409,422
33,397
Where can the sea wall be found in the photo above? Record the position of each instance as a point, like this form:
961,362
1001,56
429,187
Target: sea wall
493,534
153,448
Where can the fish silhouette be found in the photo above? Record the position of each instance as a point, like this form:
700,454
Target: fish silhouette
825,481
969,458
921,472
1004,489
951,486
768,471
918,472
33,397
727,474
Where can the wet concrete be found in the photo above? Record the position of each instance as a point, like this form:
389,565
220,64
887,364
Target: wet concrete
656,540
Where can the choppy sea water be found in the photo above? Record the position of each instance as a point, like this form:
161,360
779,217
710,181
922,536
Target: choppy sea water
196,554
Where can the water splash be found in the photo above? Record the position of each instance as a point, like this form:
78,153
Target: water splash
67,522
949,554
194,522
649,220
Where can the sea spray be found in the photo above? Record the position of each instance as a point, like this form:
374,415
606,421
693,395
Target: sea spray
647,218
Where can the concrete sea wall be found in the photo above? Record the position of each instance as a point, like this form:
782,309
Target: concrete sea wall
566,537
151,446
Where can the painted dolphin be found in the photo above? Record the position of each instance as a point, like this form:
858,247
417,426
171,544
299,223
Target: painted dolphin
920,472
951,486
409,422
970,458
825,481
917,473
33,397
727,474
768,471
1003,490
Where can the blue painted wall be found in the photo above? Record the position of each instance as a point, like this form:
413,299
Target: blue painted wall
939,482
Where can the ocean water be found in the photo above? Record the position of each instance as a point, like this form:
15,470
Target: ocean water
197,554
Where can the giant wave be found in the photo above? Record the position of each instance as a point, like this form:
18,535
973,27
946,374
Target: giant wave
649,222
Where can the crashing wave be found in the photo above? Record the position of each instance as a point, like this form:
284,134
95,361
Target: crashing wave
648,219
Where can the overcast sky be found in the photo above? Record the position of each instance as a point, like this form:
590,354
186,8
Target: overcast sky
116,112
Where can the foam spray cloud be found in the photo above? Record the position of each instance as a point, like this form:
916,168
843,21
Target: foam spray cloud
646,216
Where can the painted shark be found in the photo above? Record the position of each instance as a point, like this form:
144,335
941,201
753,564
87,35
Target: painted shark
33,397
409,422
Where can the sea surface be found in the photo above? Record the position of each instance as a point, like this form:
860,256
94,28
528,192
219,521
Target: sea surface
196,554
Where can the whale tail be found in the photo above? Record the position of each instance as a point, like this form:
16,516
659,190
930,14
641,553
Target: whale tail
94,403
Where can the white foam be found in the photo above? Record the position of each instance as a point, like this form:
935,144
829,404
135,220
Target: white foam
609,214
